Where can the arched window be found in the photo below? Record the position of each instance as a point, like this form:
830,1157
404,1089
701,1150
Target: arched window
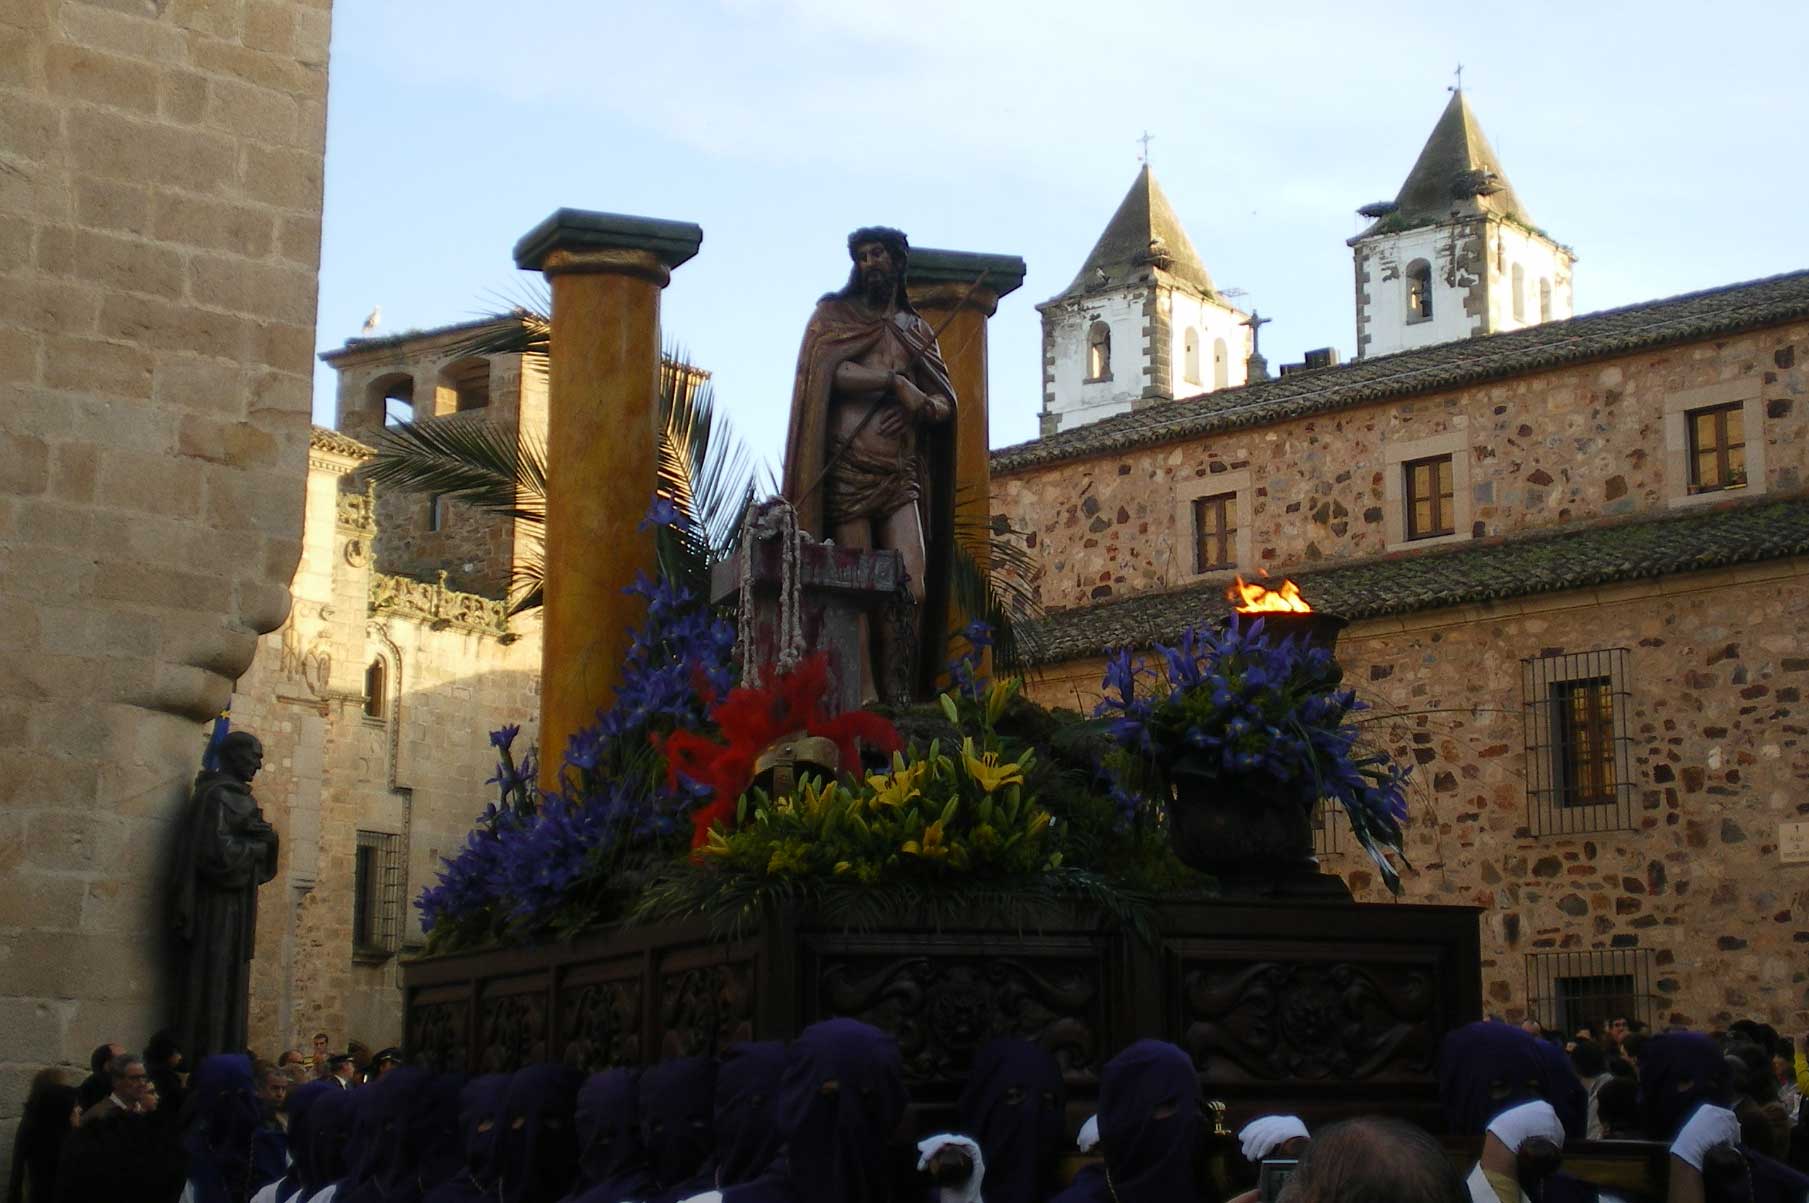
464,385
1099,352
1190,356
1419,291
393,396
1544,300
1221,365
1519,295
374,685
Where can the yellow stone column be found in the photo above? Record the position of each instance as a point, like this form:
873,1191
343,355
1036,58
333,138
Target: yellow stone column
606,272
942,286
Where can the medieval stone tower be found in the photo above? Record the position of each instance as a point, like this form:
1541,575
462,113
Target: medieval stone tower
1455,254
1141,322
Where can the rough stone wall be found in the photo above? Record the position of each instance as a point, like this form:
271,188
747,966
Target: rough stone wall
160,192
416,772
1574,444
476,551
1719,752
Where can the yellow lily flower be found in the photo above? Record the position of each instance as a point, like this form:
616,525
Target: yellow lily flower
986,769
903,784
715,845
932,847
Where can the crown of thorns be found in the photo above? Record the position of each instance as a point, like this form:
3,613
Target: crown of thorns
894,241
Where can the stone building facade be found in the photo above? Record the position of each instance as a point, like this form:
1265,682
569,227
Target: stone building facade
160,199
373,701
1622,518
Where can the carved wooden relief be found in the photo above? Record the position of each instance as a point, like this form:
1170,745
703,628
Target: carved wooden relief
511,1031
600,1024
943,1008
705,1008
1309,1020
436,1034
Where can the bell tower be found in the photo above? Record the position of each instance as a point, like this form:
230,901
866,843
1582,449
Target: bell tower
1455,255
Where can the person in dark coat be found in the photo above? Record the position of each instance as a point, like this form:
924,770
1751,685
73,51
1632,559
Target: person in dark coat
612,1165
98,1084
745,1123
1013,1105
119,1153
51,1111
480,1113
163,1062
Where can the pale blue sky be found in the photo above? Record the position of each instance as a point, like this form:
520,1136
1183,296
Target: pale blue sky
1662,141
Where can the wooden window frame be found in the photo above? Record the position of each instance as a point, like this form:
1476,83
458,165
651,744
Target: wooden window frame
1585,768
1224,505
1443,498
1722,449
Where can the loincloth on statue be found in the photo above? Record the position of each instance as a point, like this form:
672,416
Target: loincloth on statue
874,479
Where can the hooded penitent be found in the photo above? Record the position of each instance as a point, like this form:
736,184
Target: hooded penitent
747,1095
1678,1071
840,1100
387,1173
479,1126
611,1163
677,1099
539,1145
1560,1086
1013,1105
1485,1068
1150,1124
432,1133
330,1123
300,1106
219,1120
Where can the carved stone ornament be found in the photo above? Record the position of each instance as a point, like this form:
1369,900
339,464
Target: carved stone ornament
432,603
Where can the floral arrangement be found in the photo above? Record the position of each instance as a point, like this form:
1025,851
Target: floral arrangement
932,812
552,860
1238,709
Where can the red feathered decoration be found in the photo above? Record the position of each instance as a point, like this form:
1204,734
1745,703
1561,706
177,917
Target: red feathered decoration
750,720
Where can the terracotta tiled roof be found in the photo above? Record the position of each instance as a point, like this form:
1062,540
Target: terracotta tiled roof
1409,582
320,438
384,342
1686,318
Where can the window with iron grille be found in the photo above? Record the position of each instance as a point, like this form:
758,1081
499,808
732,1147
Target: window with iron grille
1328,829
1566,990
1215,532
1429,508
1577,747
1717,448
377,894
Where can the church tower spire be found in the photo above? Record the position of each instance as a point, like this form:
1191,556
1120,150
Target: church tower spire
1141,321
1455,254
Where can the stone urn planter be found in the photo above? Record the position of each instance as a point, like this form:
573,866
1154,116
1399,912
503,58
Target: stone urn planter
1253,837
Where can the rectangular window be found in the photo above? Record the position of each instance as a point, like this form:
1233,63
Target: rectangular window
1215,532
1429,510
1583,741
377,894
1717,448
436,512
1577,747
1566,990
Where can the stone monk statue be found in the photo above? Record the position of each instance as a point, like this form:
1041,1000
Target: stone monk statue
225,852
870,455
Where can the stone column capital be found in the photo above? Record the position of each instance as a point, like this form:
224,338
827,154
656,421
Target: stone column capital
939,279
584,241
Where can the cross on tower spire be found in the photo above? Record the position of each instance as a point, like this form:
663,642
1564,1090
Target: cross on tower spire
1145,140
1460,79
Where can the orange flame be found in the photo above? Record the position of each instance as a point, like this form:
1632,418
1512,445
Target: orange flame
1258,599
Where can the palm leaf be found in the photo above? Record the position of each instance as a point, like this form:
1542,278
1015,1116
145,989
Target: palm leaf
487,466
992,578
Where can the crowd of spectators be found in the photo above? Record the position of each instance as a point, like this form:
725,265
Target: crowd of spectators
825,1119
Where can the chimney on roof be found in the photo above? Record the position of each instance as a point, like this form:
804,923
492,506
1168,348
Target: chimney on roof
1321,357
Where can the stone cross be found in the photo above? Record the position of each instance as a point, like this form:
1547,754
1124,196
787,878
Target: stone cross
1256,323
